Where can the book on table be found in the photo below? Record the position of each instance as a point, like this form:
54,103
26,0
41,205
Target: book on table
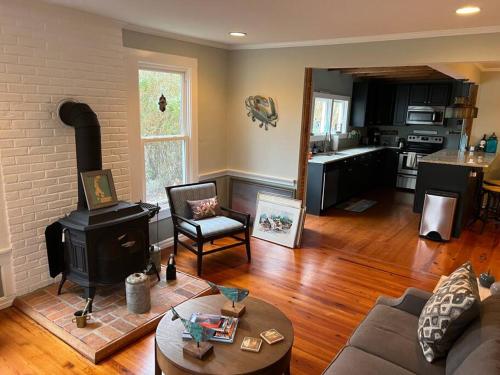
224,326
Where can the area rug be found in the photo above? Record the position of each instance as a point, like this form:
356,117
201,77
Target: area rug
112,326
357,205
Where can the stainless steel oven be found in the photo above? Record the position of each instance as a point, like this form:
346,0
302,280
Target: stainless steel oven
424,115
408,169
417,146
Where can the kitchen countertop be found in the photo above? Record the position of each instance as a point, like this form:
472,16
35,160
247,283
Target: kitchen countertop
464,158
345,154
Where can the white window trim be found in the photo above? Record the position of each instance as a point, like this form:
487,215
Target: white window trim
318,94
139,59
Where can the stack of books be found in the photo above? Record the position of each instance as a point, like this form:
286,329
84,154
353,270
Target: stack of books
224,326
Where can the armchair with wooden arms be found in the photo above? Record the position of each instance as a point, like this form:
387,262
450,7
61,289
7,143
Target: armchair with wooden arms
230,224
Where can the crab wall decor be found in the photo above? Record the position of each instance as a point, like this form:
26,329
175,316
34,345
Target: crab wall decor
262,109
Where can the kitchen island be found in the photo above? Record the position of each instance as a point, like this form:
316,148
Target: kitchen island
453,171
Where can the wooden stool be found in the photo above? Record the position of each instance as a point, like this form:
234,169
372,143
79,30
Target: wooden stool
491,210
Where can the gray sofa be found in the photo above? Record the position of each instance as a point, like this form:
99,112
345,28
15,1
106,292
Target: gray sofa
385,342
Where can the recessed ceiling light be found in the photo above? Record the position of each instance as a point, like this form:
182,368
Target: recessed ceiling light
237,33
468,10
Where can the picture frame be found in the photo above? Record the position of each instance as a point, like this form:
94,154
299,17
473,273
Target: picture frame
99,189
278,219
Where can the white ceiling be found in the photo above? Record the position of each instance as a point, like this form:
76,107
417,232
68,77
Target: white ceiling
302,22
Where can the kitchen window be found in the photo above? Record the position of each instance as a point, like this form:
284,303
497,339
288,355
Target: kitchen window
330,114
165,140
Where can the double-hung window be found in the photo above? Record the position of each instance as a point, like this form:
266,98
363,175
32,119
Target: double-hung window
330,114
165,136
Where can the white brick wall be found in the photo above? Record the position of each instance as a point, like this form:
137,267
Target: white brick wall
48,53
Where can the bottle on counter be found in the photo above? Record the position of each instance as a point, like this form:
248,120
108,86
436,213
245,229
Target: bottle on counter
482,144
492,143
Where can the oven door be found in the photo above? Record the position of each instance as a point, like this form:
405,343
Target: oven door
418,115
406,166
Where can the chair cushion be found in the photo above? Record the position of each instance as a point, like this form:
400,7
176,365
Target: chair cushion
214,226
179,196
204,208
391,334
353,361
448,312
486,327
484,360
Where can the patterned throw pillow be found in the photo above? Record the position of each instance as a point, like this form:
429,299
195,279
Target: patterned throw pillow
448,312
204,208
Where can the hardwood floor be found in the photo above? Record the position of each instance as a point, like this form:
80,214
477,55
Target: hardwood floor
326,287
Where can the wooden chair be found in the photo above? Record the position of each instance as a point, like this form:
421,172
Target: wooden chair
231,224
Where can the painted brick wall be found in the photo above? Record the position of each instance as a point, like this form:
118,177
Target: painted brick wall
48,53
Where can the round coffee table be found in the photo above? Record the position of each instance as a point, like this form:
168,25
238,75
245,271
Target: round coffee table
225,358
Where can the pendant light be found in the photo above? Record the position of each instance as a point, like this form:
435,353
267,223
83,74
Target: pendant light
461,109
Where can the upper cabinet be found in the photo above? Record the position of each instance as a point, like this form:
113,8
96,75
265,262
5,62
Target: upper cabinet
377,103
372,103
433,94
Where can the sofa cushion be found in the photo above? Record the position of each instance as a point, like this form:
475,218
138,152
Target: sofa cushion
485,328
353,361
391,334
448,312
213,225
484,360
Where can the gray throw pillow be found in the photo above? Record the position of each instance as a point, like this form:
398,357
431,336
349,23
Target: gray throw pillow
448,312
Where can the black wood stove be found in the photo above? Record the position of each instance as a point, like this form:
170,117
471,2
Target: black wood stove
95,247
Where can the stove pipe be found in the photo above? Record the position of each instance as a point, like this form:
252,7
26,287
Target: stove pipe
87,139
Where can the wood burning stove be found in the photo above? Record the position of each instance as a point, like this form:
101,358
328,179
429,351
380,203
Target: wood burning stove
98,247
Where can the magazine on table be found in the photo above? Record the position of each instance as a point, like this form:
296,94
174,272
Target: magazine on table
224,326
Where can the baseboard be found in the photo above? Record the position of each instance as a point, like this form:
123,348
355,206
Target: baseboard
168,242
6,302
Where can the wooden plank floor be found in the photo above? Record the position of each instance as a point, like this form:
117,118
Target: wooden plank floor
326,287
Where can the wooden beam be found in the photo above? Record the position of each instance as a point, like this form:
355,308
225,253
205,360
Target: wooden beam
305,133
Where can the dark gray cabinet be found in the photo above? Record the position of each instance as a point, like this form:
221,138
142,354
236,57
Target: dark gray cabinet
332,183
429,94
401,105
372,103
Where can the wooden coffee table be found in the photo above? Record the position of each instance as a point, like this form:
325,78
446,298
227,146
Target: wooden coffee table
226,358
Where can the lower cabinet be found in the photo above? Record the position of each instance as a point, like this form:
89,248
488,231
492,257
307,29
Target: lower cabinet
332,183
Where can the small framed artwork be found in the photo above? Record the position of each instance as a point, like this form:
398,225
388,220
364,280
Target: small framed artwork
99,189
278,219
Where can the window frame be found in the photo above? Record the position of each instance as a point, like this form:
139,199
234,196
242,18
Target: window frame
333,97
185,124
141,59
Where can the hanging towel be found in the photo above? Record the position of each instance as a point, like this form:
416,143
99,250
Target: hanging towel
411,160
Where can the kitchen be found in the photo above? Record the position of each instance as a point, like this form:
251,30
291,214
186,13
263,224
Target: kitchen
372,127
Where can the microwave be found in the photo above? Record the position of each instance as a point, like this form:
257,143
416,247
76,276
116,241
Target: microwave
424,115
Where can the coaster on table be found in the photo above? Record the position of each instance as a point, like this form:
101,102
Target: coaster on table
272,336
251,344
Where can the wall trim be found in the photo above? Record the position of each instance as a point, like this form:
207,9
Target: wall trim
167,242
373,38
287,182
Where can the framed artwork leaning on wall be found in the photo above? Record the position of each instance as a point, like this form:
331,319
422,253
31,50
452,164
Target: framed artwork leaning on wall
278,219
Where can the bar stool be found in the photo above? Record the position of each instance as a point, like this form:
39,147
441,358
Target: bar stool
491,210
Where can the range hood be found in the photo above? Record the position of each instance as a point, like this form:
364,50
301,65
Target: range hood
461,109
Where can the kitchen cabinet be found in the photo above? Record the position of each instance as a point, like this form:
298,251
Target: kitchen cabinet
332,183
372,103
429,94
401,105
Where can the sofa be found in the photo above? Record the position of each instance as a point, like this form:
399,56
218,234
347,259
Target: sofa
385,343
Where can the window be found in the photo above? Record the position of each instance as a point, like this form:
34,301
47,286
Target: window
164,135
330,114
